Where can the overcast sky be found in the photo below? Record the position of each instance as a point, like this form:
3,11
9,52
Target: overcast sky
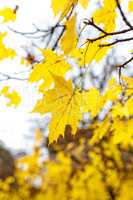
14,123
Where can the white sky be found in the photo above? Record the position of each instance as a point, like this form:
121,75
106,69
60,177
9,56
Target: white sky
14,123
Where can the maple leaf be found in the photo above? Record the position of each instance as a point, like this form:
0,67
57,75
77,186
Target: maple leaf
64,104
130,6
100,130
67,106
106,15
86,55
13,96
125,110
69,39
128,84
4,51
8,14
122,132
113,90
93,101
53,63
63,7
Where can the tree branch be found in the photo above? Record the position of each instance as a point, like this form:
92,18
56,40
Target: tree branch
123,15
8,77
116,42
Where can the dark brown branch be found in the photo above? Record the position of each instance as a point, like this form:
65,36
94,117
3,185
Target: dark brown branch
123,15
108,34
122,66
105,34
116,42
125,63
91,23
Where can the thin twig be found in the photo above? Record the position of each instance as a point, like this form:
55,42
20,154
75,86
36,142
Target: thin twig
8,77
122,66
116,42
123,15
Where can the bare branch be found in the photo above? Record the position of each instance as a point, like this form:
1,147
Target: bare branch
91,22
123,15
8,77
116,42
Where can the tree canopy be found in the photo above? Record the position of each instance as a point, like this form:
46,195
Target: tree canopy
87,158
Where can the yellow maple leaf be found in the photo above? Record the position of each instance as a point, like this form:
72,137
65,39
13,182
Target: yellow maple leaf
93,101
89,53
113,90
63,7
67,106
129,106
123,110
130,6
4,51
122,132
69,39
13,96
53,63
128,83
106,15
8,14
64,105
59,7
100,131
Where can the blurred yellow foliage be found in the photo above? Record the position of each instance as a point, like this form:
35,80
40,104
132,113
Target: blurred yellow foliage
13,97
8,14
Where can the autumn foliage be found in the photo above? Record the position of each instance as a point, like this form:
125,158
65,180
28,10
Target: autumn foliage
86,160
